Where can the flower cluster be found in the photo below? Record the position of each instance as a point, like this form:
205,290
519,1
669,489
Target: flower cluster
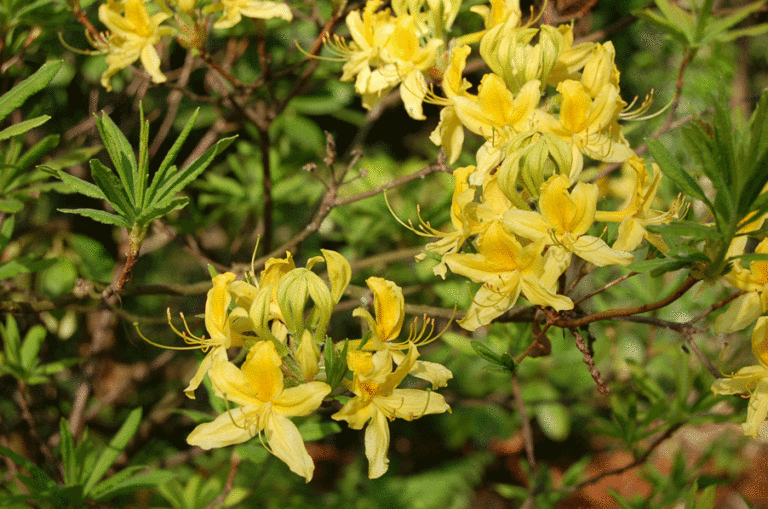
279,323
134,33
544,112
745,310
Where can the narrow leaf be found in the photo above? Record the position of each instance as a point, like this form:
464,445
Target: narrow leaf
100,216
485,352
126,481
142,176
120,152
71,474
39,477
672,169
116,194
30,157
6,230
113,450
38,81
22,127
158,210
719,25
183,177
165,167
31,347
80,185
11,340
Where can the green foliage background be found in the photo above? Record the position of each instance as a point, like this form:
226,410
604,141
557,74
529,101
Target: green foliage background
70,348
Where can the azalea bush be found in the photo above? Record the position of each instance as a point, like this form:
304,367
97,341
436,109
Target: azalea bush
228,281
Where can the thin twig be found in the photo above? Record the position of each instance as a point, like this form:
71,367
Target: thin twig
590,362
604,287
613,313
230,484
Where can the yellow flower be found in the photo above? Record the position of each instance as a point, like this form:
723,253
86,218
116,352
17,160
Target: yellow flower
449,133
218,323
505,268
386,51
377,400
133,36
745,309
636,213
562,222
752,380
234,10
588,123
389,307
498,116
265,406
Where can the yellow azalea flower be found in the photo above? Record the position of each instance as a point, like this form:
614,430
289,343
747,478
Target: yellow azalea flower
133,35
389,307
600,69
745,309
510,54
636,213
588,124
403,61
505,268
377,401
218,323
449,132
462,220
572,59
265,405
498,12
386,51
751,380
498,116
562,222
234,10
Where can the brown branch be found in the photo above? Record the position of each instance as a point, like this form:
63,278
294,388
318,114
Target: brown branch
590,362
604,287
174,99
614,313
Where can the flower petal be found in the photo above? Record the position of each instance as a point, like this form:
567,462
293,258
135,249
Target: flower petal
286,443
232,427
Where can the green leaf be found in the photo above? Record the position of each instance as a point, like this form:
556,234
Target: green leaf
744,32
672,169
112,189
670,27
79,185
24,265
10,206
6,230
11,340
126,482
38,81
31,347
100,216
29,158
166,166
486,353
113,450
554,420
686,229
121,153
176,183
715,28
71,473
40,481
158,210
22,127
141,177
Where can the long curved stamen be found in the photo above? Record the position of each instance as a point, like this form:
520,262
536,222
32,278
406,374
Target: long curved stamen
202,343
136,324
